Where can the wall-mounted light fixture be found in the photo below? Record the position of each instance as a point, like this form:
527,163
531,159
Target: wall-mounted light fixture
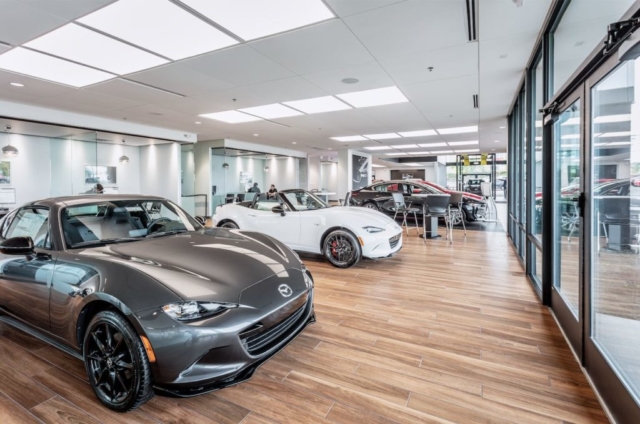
225,165
124,158
266,169
9,151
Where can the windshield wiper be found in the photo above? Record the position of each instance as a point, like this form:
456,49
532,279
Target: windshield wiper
166,233
104,241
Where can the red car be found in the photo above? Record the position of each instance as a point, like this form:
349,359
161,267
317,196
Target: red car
471,196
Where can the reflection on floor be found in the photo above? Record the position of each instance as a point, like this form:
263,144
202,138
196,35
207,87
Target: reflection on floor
440,333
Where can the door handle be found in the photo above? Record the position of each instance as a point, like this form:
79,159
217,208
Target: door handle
81,292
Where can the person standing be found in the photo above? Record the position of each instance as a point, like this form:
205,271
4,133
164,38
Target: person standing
254,189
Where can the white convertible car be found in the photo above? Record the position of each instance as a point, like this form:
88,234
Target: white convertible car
305,223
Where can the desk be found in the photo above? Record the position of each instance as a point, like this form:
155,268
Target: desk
326,195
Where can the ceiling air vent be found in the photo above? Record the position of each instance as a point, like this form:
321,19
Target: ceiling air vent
472,19
475,101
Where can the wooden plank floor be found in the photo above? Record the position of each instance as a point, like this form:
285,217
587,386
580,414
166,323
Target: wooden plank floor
437,334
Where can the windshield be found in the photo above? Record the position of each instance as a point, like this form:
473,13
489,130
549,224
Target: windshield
304,201
122,221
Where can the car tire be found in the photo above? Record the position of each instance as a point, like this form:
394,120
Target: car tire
230,225
342,249
116,362
372,206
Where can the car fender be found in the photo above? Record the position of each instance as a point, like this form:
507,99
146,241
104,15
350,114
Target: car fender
235,213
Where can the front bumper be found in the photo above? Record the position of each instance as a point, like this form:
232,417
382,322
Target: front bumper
382,246
219,352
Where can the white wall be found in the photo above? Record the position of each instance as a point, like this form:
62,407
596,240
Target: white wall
283,172
382,173
313,173
160,171
30,170
329,178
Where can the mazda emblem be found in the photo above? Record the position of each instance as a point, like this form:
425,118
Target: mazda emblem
285,290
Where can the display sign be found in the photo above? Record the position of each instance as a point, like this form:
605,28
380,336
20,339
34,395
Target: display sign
5,172
96,174
246,179
360,171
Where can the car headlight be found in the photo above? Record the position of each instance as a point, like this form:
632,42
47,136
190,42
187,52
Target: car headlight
371,229
307,278
191,311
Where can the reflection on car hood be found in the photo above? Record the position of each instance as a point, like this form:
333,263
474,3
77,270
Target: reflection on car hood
214,265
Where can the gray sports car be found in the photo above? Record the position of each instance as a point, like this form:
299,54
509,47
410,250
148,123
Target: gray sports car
148,298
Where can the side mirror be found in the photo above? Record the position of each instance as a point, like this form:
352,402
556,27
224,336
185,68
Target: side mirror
278,209
17,246
201,220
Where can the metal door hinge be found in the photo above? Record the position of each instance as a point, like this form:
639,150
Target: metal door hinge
617,32
552,108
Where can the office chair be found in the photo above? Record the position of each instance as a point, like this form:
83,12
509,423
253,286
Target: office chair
437,206
404,209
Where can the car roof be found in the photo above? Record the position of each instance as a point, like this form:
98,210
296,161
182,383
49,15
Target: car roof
89,198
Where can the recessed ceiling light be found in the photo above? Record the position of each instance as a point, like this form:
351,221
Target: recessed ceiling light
502,128
462,143
433,145
350,80
439,152
421,133
318,105
373,165
294,142
350,138
376,97
251,19
397,154
272,111
385,136
467,150
411,164
163,28
256,135
406,146
50,68
420,153
611,118
16,84
495,141
378,148
231,117
88,47
198,122
458,130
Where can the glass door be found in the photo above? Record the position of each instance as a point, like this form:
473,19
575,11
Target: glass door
566,293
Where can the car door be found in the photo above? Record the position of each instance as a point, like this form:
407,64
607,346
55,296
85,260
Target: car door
25,280
285,228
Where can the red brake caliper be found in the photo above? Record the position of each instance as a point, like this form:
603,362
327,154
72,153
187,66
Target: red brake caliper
334,244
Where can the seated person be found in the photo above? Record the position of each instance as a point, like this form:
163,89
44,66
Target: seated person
272,191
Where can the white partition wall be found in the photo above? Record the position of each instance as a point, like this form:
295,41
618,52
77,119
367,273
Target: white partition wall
160,171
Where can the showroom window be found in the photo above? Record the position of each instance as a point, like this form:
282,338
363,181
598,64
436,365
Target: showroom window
537,86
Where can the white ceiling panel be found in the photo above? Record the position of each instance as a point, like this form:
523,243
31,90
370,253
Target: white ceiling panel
454,118
179,79
94,100
32,86
218,101
319,47
410,27
286,89
132,91
344,8
238,66
19,22
370,75
503,18
352,120
502,53
452,62
438,96
68,9
398,117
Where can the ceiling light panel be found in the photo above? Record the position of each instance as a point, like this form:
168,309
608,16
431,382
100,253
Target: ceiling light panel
422,133
373,165
159,26
378,148
88,47
433,145
50,68
441,152
406,146
420,153
411,164
376,97
458,130
462,143
272,111
251,19
385,136
467,150
397,154
318,105
231,117
350,138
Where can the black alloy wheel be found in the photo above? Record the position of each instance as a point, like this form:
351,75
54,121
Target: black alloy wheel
372,206
230,225
117,363
342,249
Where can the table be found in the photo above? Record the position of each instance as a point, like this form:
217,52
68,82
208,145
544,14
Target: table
429,224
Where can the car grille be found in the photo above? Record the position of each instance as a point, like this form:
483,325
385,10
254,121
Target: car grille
393,241
257,344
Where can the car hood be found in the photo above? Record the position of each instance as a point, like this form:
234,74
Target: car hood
207,265
362,215
472,196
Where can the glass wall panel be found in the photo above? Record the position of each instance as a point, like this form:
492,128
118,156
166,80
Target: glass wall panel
538,103
538,265
616,230
567,215
188,200
580,30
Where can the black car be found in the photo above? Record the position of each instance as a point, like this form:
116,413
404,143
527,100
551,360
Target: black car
148,298
474,186
379,197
